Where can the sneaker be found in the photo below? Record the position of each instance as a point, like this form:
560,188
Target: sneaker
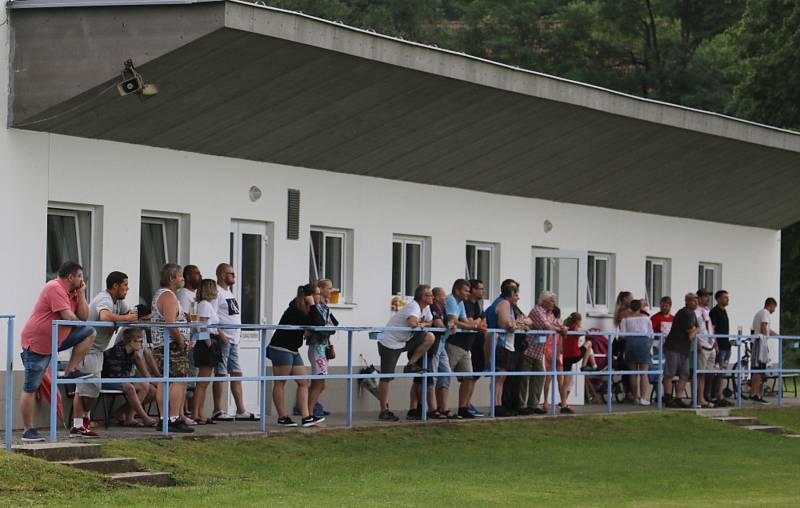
644,402
465,413
524,411
413,414
308,421
387,416
221,416
566,410
32,436
247,415
319,410
677,404
723,403
758,400
78,374
502,412
318,419
539,411
474,411
179,427
83,432
285,421
637,402
413,368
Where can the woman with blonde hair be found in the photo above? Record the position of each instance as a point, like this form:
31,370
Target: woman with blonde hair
207,349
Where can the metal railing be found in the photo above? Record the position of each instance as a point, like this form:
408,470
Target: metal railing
9,420
538,336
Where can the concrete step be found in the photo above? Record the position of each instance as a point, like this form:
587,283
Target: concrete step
104,465
741,421
54,452
713,412
144,478
765,428
792,435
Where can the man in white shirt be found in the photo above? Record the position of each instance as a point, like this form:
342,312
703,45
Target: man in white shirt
229,314
706,346
392,344
759,356
191,280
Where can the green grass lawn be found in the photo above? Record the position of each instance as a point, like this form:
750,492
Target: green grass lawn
668,459
788,417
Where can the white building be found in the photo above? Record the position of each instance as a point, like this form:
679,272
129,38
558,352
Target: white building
412,163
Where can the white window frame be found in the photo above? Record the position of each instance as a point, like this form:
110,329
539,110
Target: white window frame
346,236
92,268
716,268
609,258
550,253
494,265
424,257
666,279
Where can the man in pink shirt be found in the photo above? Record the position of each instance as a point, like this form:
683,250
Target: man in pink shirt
61,298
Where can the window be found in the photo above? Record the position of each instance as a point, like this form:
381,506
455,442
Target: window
564,273
330,251
482,264
71,236
249,242
409,260
161,243
709,277
600,280
656,280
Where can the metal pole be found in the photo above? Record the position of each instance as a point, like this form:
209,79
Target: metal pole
423,403
739,371
165,386
660,372
554,366
54,383
350,378
610,383
694,374
493,374
262,384
780,372
10,384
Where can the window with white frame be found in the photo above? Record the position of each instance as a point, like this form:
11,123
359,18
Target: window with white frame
481,264
600,281
330,258
656,279
162,242
71,237
709,276
409,255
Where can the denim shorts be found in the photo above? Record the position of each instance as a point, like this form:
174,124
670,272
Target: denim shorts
282,358
230,360
36,364
112,386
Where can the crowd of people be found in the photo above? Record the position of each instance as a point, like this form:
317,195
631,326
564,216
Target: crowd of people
465,348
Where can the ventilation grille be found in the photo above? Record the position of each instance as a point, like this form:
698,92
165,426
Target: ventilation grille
293,224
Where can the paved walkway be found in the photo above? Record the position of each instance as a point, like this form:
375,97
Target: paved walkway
365,420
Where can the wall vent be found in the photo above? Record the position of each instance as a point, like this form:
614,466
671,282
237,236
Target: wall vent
293,221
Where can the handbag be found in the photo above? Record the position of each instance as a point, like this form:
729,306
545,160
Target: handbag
330,352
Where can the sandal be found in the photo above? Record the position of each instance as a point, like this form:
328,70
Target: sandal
436,415
132,423
451,416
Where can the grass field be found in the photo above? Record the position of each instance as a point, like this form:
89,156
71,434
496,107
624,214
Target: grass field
668,459
788,418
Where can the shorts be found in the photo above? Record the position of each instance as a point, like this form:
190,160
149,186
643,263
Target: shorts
460,359
389,356
36,364
723,358
205,355
638,349
283,357
229,360
439,363
112,386
706,359
317,359
505,359
178,360
570,361
676,364
92,362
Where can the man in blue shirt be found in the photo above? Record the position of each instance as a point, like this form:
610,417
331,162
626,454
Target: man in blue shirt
459,345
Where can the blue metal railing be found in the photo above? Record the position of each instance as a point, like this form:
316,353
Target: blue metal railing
539,336
9,378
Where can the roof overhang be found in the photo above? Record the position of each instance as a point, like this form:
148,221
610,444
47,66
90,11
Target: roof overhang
260,83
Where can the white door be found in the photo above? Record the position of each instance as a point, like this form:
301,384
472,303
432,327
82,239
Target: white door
564,273
248,248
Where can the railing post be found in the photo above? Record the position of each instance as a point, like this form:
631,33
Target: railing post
349,378
54,384
423,402
660,390
262,383
694,373
165,386
554,383
610,383
780,371
10,384
739,371
493,374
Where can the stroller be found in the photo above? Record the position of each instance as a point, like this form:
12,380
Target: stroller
597,382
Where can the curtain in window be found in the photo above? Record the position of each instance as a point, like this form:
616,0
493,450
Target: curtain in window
250,274
152,258
62,243
413,267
